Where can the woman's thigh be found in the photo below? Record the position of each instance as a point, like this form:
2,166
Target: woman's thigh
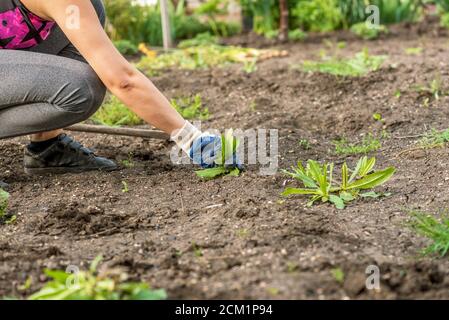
29,77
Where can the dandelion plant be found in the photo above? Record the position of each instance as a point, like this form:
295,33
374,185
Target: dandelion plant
319,183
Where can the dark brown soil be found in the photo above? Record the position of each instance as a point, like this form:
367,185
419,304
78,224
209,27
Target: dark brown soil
251,244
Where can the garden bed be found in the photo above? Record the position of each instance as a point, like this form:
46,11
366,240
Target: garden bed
237,237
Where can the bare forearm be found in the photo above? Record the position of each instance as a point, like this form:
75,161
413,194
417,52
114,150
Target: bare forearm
144,99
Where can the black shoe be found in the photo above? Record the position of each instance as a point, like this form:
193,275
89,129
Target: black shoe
63,156
3,185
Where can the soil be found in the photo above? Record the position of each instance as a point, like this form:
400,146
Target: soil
232,238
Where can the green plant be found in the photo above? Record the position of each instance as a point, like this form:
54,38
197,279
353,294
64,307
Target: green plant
297,35
304,144
368,144
128,163
94,285
368,32
434,89
317,15
360,65
414,51
202,39
265,14
126,47
115,113
4,201
437,231
319,184
229,145
250,66
390,11
191,107
338,275
434,138
125,188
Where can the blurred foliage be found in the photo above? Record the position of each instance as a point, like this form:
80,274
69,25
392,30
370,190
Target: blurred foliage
126,47
202,57
366,32
142,23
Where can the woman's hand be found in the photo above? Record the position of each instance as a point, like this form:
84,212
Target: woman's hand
133,88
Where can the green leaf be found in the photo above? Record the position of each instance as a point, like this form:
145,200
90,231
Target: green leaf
337,201
372,180
344,176
367,166
292,191
234,172
211,172
346,196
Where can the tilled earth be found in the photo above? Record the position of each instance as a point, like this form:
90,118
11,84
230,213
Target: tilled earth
233,237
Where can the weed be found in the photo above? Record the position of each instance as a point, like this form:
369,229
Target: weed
228,149
318,181
125,188
292,267
361,64
434,138
115,113
304,144
338,275
273,291
434,89
250,66
436,230
414,51
397,94
191,107
368,32
128,163
368,144
94,285
197,250
253,106
242,233
377,117
4,201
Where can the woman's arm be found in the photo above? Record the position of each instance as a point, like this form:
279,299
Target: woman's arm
133,88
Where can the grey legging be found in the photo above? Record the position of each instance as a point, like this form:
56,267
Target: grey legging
48,87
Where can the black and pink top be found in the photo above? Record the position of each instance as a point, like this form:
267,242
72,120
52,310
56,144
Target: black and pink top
20,28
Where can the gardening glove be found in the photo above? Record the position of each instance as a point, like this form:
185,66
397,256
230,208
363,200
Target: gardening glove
204,149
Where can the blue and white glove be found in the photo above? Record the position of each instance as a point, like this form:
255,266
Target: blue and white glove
203,148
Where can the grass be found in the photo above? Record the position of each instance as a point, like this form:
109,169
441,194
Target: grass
94,285
319,184
191,107
369,143
361,64
304,144
436,230
434,139
114,113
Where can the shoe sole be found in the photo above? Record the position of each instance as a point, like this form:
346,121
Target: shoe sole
62,170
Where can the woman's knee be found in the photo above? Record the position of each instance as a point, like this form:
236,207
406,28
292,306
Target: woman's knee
82,95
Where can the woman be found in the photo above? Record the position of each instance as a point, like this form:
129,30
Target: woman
56,62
